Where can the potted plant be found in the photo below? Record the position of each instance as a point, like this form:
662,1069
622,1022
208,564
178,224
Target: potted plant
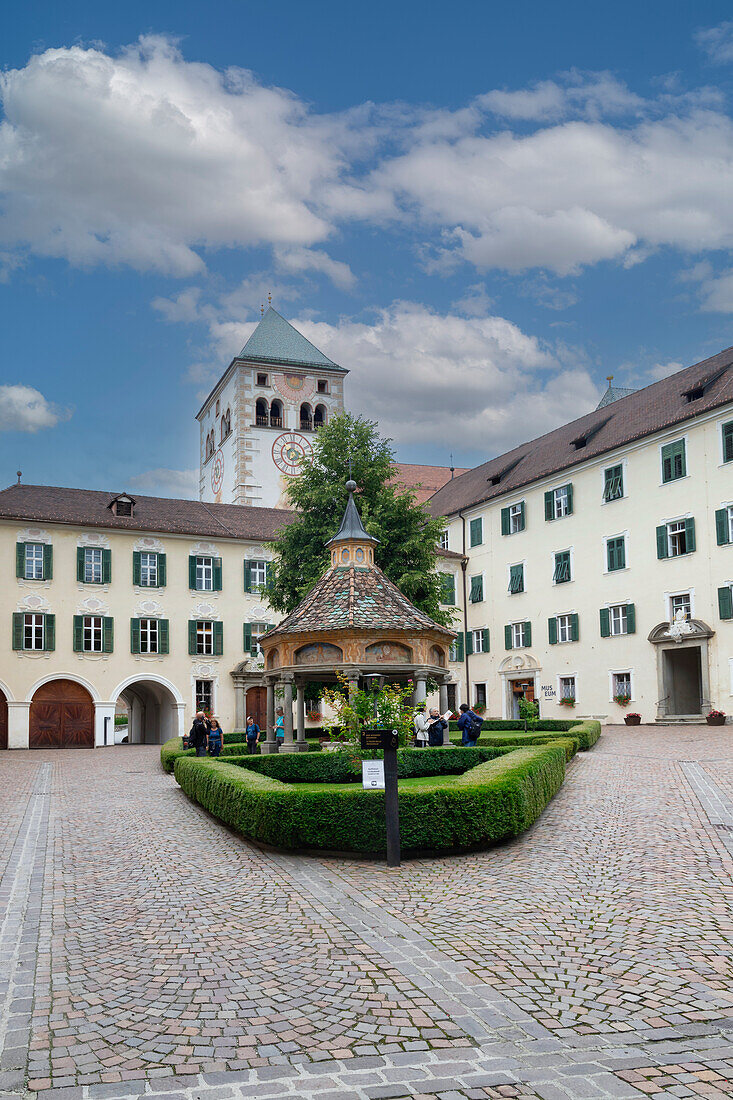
567,701
314,715
716,718
622,700
480,708
632,719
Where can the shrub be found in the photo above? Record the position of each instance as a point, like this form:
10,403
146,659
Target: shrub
171,750
586,733
495,799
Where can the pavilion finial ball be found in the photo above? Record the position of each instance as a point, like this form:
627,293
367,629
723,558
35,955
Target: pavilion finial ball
351,485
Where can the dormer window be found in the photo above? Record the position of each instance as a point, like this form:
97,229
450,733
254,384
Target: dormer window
122,505
322,385
263,380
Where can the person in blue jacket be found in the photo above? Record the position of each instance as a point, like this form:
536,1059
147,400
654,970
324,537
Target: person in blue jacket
470,725
252,733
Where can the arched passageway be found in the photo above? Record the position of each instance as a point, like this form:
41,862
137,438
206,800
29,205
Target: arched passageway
152,712
61,717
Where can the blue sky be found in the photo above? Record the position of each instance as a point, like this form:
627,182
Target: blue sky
480,209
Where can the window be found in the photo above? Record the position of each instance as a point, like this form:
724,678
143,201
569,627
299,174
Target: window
455,652
255,575
516,518
480,695
728,441
516,578
519,636
563,628
621,685
562,572
205,638
477,589
447,589
443,540
682,601
218,406
674,465
322,385
92,634
725,602
724,525
204,695
226,424
559,502
306,418
204,573
33,632
476,532
210,445
33,566
261,412
149,570
319,416
262,380
616,553
676,538
477,641
567,687
252,634
93,566
122,506
618,615
276,414
613,483
148,635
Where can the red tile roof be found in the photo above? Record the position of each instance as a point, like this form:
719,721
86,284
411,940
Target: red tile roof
425,480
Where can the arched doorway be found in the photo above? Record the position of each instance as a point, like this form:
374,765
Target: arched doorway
152,712
257,705
61,717
3,721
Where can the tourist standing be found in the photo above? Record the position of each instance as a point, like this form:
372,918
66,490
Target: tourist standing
199,736
436,728
216,737
279,726
420,724
252,732
470,725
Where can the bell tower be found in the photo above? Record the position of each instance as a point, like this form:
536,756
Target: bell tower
259,420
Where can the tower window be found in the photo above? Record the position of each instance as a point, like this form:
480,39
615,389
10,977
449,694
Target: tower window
276,414
218,406
226,424
262,417
306,418
263,380
322,385
319,416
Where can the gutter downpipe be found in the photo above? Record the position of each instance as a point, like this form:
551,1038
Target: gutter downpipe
464,566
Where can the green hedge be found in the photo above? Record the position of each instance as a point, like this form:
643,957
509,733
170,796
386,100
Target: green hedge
570,743
587,732
496,799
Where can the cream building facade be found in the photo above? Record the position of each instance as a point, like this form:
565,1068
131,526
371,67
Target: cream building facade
595,564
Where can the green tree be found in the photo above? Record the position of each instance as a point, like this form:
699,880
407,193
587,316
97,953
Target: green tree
407,534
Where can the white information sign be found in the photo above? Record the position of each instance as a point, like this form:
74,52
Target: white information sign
372,775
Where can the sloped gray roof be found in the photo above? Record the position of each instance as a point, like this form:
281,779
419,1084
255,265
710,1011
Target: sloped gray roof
613,393
276,341
351,525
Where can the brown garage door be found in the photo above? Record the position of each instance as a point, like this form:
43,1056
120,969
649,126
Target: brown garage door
3,721
62,717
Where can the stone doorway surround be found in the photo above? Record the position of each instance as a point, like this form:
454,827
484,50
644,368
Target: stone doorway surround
695,635
518,666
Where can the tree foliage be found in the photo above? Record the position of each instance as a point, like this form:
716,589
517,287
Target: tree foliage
407,534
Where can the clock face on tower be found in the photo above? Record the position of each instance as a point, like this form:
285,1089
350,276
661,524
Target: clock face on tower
217,472
289,449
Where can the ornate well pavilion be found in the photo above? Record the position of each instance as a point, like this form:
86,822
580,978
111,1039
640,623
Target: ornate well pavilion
355,622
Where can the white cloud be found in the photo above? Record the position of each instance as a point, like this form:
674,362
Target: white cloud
297,260
585,95
23,409
717,42
717,293
167,483
183,309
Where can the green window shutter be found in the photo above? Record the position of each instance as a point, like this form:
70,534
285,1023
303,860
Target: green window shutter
477,589
486,641
247,641
630,609
18,631
562,567
136,570
163,636
162,572
516,578
80,563
674,461
616,549
469,643
460,647
270,574
722,527
507,637
570,499
108,634
552,630
106,566
725,604
574,628
20,559
690,535
217,575
662,544
192,572
728,442
218,639
78,633
247,576
605,623
49,633
549,504
505,521
476,532
48,562
134,635
528,634
192,636
447,589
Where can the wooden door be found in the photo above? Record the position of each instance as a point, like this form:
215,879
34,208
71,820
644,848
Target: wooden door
257,705
62,717
3,721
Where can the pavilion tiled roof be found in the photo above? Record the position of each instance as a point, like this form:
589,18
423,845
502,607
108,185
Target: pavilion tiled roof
683,396
351,598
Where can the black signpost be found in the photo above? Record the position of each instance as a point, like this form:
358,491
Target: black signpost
387,740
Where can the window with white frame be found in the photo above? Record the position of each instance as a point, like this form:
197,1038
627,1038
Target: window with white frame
204,695
33,561
443,540
33,631
681,601
205,638
92,565
519,635
478,640
480,695
677,538
621,685
93,634
258,574
564,628
148,635
561,502
567,687
618,618
516,518
258,630
205,574
148,569
728,509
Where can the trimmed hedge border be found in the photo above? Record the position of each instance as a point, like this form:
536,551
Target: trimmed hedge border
495,799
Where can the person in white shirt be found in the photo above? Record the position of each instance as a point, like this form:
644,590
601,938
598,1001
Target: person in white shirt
421,728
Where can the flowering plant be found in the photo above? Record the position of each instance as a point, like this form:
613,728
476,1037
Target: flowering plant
384,707
716,714
568,701
633,714
314,715
622,700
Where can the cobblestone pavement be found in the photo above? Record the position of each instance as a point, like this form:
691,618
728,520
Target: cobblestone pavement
147,950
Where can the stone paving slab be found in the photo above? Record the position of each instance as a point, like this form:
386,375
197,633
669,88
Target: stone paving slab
591,957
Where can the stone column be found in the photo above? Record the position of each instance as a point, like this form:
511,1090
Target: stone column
270,745
353,678
286,684
421,692
240,689
300,715
443,709
18,725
